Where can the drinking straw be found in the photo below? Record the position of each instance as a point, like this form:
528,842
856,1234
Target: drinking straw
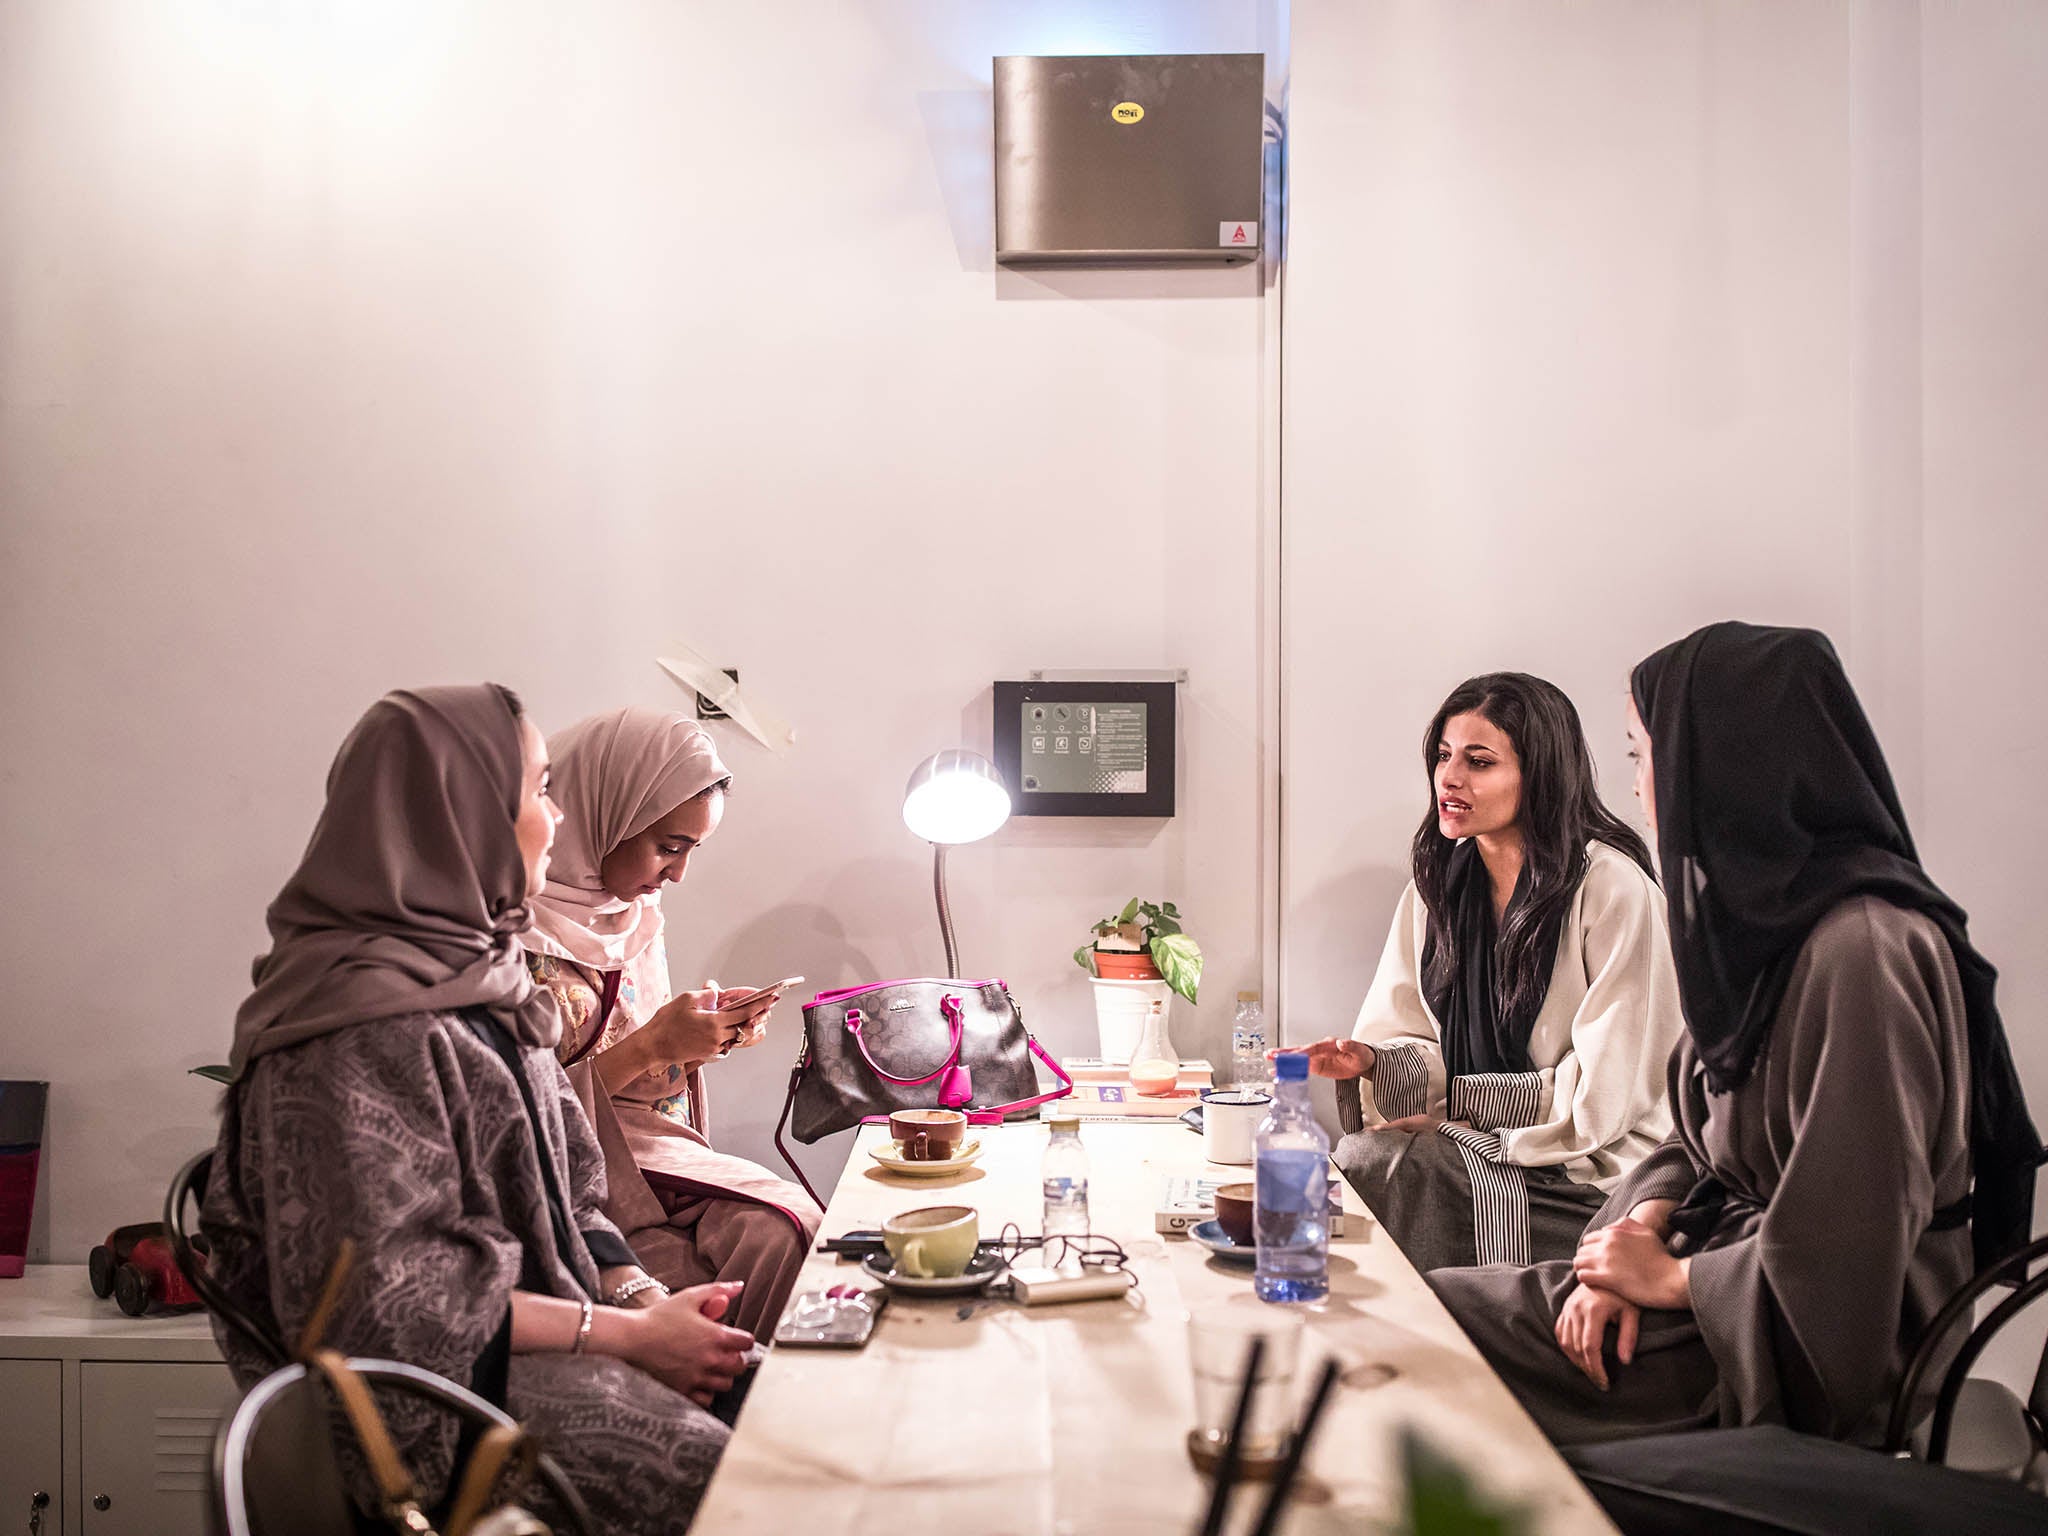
1233,1448
1283,1483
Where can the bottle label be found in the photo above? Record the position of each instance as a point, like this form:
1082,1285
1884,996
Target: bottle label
1066,1207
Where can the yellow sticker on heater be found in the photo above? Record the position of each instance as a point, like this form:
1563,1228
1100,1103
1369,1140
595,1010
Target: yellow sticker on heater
1126,112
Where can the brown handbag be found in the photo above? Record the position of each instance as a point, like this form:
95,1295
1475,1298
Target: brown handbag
916,1044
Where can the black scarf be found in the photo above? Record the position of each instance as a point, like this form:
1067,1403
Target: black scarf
1478,1036
1774,806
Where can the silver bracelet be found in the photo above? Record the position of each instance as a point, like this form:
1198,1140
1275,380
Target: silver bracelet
628,1289
583,1327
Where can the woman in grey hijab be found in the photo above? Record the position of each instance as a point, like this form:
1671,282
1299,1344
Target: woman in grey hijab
397,1087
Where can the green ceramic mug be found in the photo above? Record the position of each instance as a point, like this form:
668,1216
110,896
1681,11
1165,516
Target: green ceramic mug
934,1241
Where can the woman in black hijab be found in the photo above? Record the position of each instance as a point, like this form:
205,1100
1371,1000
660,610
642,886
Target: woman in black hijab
1843,1070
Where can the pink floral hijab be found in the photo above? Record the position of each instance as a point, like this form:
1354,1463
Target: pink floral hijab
411,894
614,776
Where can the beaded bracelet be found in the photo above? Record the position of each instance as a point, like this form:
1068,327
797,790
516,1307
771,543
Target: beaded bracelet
628,1289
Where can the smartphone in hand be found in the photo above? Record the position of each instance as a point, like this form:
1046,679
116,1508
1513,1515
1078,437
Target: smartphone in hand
735,1000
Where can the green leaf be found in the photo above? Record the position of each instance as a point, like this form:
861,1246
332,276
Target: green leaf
1179,959
1130,910
1169,909
1163,924
218,1074
1442,1501
1084,957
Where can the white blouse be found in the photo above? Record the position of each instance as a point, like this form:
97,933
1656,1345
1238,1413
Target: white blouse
1595,1106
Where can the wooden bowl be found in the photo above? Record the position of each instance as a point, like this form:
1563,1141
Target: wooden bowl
1235,1205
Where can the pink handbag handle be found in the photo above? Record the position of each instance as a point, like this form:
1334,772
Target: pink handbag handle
996,1114
949,1006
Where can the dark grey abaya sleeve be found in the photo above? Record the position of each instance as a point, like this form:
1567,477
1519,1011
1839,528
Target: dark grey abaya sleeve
1802,1308
1668,1173
586,1177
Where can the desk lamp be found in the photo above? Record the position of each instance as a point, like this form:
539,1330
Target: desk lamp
953,797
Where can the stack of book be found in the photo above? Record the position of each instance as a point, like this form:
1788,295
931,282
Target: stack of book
1103,1091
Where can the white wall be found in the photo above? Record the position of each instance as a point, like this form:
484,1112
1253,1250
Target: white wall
350,346
1607,320
1982,228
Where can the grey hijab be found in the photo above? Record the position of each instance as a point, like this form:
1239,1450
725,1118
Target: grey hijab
411,895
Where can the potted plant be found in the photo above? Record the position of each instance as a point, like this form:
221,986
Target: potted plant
1144,942
1137,957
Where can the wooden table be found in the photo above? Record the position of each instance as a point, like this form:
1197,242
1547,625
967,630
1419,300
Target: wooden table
1063,1420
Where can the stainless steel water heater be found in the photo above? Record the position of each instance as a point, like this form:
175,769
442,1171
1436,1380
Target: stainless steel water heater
1105,160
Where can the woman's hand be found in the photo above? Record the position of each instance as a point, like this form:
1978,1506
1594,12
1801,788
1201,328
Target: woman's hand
688,1031
1654,1214
1630,1259
693,1029
680,1342
1582,1325
1341,1059
751,1007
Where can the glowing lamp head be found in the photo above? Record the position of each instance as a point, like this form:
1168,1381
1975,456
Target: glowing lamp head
955,797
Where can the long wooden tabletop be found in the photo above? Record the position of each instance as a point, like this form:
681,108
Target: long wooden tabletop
990,1417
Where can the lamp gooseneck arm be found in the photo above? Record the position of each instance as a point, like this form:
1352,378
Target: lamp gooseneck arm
945,912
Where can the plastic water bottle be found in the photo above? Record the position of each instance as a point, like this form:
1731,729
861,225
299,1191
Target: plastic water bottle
1064,1175
1248,1043
1291,1165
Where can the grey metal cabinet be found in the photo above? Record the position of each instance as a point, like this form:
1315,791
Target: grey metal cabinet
31,1447
147,1431
111,1417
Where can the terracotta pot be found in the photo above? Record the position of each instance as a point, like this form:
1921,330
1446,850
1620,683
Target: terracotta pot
1123,965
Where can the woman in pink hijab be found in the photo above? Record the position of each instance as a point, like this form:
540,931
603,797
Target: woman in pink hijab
640,791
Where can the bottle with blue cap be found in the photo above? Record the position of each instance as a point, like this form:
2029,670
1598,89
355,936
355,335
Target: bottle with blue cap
1291,1167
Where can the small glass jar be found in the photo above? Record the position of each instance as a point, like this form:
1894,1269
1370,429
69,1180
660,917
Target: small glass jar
1155,1064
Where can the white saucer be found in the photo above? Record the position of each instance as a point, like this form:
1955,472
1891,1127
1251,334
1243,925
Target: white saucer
981,1269
933,1168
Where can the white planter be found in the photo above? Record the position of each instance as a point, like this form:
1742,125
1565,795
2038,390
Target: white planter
1120,1010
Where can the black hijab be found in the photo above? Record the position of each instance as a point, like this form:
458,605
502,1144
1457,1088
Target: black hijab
1479,1034
1774,805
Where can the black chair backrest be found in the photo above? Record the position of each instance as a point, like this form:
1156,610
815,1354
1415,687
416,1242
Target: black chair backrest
275,1472
2012,1270
188,1189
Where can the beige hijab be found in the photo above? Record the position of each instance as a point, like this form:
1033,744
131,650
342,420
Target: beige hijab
411,895
614,775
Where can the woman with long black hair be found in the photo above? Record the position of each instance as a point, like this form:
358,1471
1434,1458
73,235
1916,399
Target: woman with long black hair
1843,1082
1507,1067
